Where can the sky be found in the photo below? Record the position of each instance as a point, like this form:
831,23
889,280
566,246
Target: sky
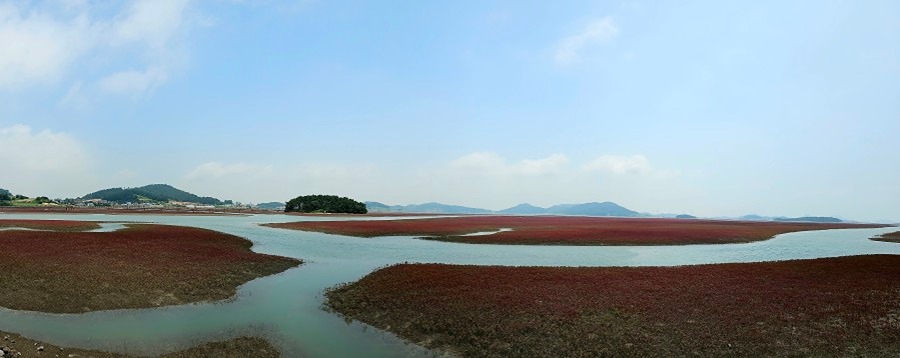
704,107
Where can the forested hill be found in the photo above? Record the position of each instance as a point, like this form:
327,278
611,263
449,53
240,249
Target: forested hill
325,204
152,193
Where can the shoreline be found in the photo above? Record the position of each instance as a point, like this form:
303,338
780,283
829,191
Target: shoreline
889,237
17,345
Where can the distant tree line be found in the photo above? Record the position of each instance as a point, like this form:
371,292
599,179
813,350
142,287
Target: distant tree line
325,204
5,197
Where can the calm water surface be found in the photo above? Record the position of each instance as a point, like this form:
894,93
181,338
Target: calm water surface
287,308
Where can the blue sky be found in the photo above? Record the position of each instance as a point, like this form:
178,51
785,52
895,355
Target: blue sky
710,108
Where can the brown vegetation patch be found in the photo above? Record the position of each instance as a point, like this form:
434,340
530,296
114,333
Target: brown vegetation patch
235,348
136,267
568,230
847,306
51,225
889,237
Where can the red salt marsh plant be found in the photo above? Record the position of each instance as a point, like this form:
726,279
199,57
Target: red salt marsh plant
568,230
847,306
52,225
889,237
139,266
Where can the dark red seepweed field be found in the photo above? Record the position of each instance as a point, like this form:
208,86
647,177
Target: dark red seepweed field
889,237
568,230
848,306
53,225
139,266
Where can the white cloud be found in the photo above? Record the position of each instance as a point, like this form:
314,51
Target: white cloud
41,44
133,82
479,161
620,164
45,151
569,49
152,22
35,48
75,97
551,164
493,164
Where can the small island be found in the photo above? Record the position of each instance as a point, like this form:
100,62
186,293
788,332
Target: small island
330,204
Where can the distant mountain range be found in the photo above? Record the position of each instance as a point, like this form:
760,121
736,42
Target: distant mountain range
152,193
813,219
586,209
436,208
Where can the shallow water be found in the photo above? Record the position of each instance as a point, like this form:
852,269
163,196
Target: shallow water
286,308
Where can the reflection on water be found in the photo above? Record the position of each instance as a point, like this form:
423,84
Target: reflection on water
286,308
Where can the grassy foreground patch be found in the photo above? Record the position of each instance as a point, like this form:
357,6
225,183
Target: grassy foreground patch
846,306
137,267
889,237
568,230
235,348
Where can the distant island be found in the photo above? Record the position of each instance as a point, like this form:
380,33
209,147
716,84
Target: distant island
331,204
154,193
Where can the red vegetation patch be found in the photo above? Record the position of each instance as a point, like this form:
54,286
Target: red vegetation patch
140,266
889,237
568,230
847,306
52,225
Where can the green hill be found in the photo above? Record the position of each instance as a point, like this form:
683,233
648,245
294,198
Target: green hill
150,193
325,204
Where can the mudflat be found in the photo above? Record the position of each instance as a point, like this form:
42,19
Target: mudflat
139,266
847,306
568,230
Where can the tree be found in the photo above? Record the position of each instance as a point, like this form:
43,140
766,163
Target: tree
325,204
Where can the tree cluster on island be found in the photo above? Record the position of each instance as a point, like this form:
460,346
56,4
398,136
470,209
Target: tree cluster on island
8,199
325,204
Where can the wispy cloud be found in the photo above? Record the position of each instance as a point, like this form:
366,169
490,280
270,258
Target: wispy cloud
219,170
42,162
36,48
21,149
623,164
569,50
41,44
493,164
133,81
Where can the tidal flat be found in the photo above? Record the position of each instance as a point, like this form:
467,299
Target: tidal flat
568,230
142,265
889,237
847,306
